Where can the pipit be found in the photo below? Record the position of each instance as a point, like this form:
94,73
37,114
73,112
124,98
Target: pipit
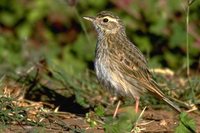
120,66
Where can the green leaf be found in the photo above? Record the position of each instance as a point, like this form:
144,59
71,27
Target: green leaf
143,43
186,125
8,19
123,124
158,26
178,35
83,49
99,110
24,31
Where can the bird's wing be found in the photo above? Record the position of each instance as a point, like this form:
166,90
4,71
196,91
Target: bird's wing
133,66
131,62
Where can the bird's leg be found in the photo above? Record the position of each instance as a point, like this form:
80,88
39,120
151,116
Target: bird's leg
116,109
137,100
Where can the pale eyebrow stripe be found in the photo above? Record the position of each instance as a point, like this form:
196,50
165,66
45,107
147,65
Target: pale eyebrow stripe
111,19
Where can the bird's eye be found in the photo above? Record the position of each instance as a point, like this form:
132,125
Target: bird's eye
105,20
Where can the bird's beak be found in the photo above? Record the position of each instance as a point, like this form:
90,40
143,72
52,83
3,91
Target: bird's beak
89,18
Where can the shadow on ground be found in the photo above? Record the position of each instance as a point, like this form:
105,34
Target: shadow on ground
65,104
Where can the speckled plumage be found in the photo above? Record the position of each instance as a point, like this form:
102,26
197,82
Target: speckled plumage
120,66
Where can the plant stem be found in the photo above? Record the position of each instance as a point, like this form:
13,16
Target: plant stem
82,25
187,37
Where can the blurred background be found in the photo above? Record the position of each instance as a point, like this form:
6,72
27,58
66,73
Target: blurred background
54,31
47,52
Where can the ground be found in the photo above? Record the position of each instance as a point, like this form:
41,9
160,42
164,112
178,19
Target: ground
38,109
153,121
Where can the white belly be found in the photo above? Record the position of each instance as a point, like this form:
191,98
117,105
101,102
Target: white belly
113,80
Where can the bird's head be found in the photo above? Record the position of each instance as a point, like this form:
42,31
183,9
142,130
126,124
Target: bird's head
106,22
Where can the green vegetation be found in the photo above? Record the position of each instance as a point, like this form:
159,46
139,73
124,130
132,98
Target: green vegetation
47,52
186,124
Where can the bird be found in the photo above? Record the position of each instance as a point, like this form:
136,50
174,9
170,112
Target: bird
120,66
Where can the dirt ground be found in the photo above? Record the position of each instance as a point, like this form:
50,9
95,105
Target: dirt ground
153,121
71,117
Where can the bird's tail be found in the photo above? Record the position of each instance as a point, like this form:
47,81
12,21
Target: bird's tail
156,90
172,104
